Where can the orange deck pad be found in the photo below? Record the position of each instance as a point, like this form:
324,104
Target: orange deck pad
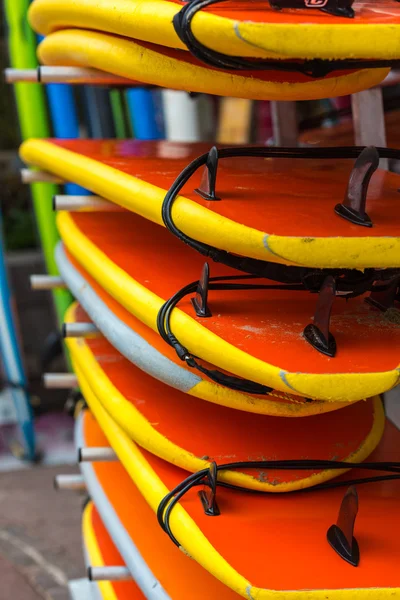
277,542
216,433
260,11
267,324
279,196
124,590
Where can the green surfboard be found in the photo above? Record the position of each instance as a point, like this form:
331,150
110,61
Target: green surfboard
33,119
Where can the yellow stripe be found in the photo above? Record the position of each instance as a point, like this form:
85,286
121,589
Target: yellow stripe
205,225
189,534
72,47
145,305
94,552
151,20
140,430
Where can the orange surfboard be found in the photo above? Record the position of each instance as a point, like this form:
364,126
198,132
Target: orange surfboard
261,546
145,348
254,334
239,27
174,576
190,434
272,209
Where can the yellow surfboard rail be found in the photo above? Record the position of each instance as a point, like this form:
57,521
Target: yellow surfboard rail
206,226
129,59
141,431
145,305
151,21
287,405
94,553
193,541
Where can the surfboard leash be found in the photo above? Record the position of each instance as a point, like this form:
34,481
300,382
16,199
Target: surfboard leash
340,536
383,297
313,68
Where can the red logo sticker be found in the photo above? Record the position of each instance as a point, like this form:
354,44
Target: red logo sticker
315,3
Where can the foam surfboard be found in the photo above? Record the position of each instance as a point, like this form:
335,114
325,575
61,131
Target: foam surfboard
161,571
249,220
254,334
176,69
33,122
20,437
146,350
101,552
238,28
185,432
233,546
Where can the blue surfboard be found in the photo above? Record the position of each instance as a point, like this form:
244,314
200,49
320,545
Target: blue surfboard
145,112
21,439
64,119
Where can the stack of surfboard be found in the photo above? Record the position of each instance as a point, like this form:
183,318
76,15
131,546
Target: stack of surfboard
236,317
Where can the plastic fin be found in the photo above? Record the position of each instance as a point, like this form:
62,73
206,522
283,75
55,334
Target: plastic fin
385,299
341,536
317,334
200,300
208,494
209,178
353,207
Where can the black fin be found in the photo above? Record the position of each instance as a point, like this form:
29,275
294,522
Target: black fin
353,207
208,494
384,299
209,178
317,333
200,300
341,536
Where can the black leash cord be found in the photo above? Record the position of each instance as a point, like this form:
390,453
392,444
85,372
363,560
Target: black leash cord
314,68
203,478
164,329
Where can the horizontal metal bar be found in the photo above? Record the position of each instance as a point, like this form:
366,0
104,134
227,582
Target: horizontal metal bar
60,381
31,176
96,455
108,574
74,75
75,330
72,203
46,282
74,483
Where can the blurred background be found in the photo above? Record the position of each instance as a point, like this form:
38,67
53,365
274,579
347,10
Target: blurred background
40,544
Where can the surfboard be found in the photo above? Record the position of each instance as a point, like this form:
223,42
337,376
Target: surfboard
33,122
238,28
256,536
21,437
161,571
145,349
254,334
189,434
176,69
249,220
101,552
